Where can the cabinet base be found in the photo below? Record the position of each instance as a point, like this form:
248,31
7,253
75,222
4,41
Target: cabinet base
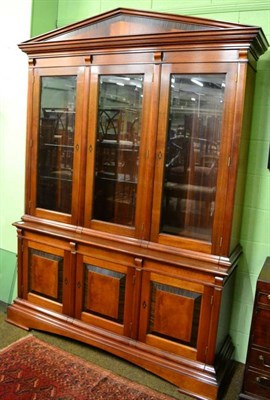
193,378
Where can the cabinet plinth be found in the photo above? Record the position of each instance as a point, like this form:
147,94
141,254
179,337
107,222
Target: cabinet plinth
135,171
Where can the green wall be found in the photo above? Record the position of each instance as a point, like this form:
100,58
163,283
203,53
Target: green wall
14,28
44,16
255,235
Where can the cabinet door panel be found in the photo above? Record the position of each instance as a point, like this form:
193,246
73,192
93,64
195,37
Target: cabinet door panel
104,294
100,281
46,276
120,136
171,313
57,121
46,265
193,135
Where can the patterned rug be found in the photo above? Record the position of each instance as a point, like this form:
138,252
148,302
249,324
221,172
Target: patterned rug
34,370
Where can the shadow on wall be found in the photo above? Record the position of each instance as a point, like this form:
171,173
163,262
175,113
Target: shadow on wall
8,276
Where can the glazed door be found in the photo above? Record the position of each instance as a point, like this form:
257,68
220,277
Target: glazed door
55,155
121,145
194,142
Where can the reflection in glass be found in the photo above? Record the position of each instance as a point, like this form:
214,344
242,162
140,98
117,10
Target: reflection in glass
56,143
192,153
117,148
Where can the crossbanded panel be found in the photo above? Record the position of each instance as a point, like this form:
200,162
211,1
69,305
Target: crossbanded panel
99,283
46,275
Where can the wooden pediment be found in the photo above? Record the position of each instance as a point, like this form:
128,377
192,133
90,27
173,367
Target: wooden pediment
144,29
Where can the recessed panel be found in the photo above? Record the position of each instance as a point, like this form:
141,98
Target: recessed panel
173,315
261,334
104,293
98,300
45,275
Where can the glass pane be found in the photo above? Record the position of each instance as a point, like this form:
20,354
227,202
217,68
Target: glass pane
192,154
117,148
56,143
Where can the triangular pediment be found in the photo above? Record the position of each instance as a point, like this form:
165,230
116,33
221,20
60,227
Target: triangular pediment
127,22
126,28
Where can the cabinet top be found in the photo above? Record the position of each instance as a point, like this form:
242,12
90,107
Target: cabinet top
127,28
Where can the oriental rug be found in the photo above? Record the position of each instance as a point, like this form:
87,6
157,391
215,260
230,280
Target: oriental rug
31,369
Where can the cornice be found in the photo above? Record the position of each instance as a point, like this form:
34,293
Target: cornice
249,38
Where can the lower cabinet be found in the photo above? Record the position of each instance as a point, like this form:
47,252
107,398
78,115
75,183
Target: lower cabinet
256,384
160,315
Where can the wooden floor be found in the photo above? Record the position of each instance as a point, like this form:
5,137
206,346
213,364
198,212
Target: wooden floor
10,333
